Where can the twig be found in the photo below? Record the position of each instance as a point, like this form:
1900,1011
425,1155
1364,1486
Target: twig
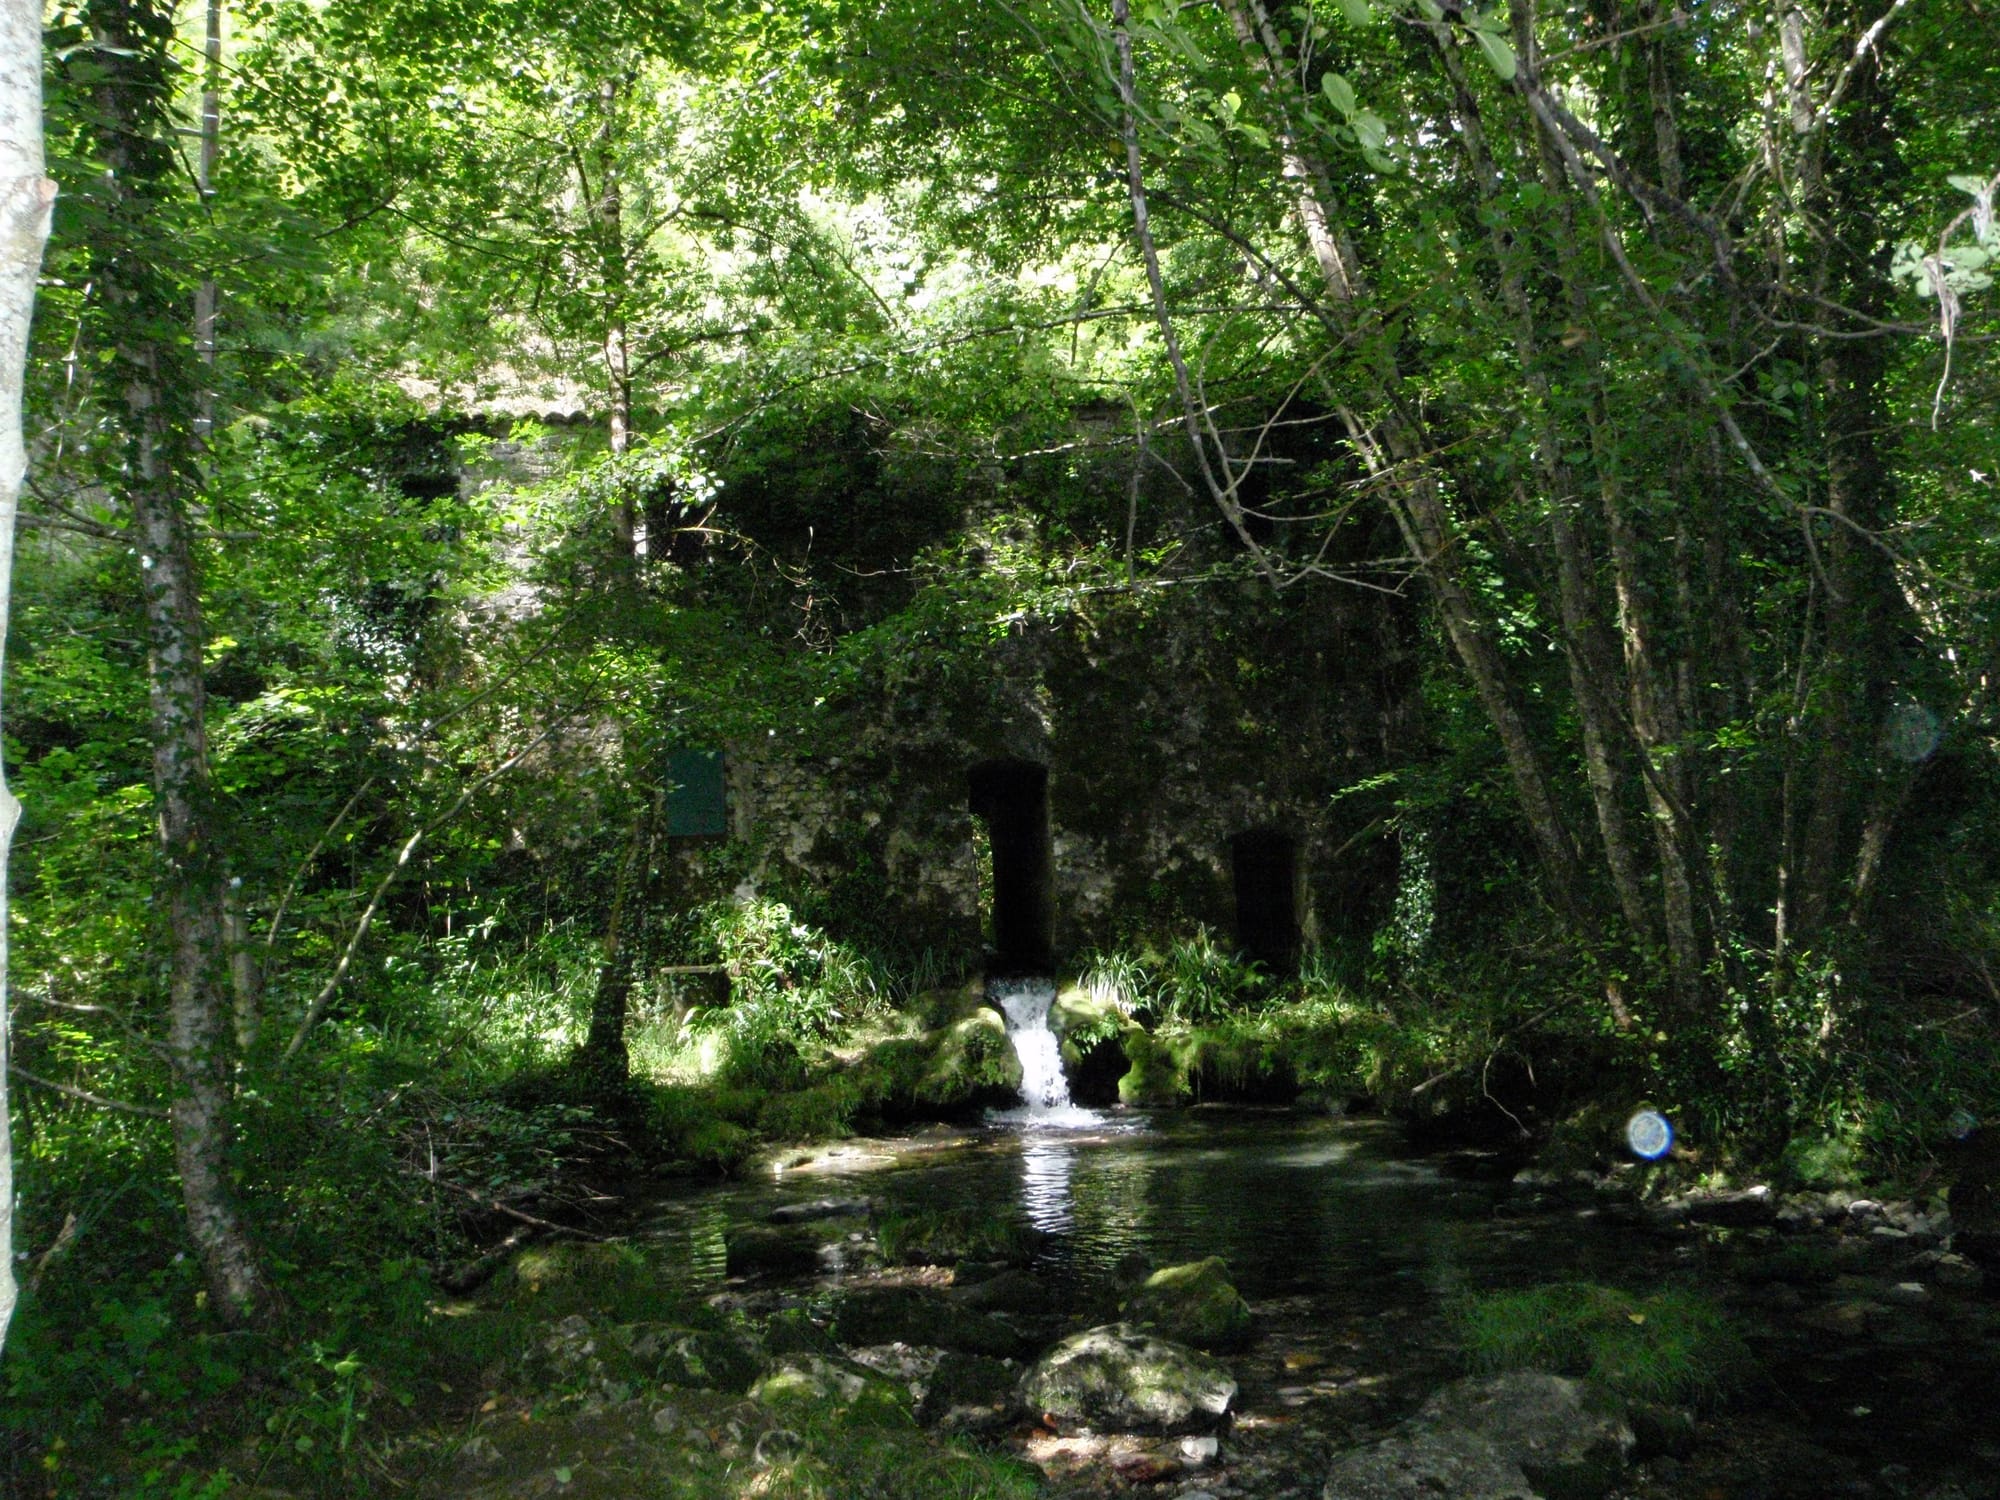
521,1215
65,1237
292,886
85,1095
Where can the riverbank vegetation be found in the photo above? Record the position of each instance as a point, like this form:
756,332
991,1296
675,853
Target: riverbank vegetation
445,417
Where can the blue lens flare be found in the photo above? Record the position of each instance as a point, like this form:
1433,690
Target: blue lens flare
1649,1134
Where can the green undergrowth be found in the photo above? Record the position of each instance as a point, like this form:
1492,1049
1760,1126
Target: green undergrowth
1309,1039
1673,1345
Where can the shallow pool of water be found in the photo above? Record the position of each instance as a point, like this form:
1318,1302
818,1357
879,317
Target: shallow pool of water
1351,1247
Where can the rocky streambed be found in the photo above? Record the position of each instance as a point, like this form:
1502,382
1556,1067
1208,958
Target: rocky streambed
1252,1307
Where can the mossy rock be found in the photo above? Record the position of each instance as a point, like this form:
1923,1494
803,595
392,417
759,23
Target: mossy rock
802,1387
974,1064
576,1355
1219,1063
964,1066
1570,1438
970,1393
1193,1303
1154,1079
793,1331
949,1003
1084,1015
1118,1378
719,1146
1588,1140
719,1359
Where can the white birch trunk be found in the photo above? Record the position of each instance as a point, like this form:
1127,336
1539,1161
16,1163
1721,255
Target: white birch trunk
26,196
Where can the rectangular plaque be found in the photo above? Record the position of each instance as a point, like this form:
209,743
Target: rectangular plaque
696,806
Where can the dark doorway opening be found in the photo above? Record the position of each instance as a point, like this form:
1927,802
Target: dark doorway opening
1012,797
1266,864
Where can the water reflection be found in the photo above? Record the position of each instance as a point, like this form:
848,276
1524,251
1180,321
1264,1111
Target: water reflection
1046,1168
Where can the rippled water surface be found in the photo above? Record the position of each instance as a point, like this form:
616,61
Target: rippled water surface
1325,1208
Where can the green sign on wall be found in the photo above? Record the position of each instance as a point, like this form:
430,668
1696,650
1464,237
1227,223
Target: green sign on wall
696,806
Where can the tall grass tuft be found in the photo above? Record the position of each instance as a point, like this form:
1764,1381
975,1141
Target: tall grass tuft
1671,1345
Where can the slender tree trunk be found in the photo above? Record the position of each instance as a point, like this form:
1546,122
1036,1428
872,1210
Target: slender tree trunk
204,181
1587,651
26,197
246,975
615,271
604,1051
159,388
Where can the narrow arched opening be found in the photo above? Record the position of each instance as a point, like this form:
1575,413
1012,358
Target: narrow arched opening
1265,862
1012,798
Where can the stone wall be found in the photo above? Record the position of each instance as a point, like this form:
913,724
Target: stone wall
1164,736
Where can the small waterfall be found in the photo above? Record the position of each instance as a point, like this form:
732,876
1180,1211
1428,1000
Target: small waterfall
1044,1090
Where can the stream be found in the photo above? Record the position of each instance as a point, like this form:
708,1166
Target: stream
1350,1247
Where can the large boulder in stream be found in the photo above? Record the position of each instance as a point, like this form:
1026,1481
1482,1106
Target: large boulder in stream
1118,1378
1518,1436
1193,1303
1571,1438
1419,1464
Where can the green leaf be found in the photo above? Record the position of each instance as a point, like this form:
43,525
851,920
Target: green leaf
1498,53
1339,91
1973,185
1358,12
1370,131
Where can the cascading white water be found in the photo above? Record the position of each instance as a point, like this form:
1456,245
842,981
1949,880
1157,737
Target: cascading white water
1025,1003
1044,1089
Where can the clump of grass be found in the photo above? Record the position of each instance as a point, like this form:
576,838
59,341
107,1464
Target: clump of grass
945,1239
1672,1345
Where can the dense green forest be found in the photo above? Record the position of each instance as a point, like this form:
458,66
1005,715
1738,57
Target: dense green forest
1554,441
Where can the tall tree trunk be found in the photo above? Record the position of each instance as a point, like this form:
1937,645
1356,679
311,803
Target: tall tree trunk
151,374
26,196
1864,610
